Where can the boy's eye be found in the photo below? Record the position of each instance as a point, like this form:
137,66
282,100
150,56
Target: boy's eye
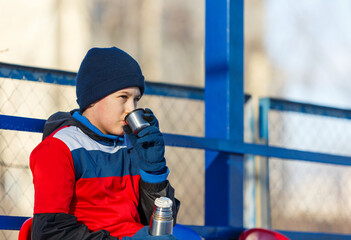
124,96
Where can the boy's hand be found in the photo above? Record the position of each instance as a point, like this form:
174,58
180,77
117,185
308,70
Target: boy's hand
148,145
150,117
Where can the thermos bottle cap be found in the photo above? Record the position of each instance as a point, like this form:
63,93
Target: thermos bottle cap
163,202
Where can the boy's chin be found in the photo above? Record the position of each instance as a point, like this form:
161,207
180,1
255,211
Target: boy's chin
117,132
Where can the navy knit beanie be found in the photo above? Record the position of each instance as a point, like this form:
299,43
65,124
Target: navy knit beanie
104,71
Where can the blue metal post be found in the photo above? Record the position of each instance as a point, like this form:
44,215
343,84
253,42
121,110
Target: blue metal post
263,211
224,102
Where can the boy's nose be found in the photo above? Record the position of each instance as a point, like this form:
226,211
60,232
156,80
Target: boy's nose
130,109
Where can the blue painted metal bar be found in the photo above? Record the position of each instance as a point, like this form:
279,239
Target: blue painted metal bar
235,83
215,232
262,187
168,90
216,77
178,91
235,108
291,106
21,123
227,146
224,99
264,107
68,78
11,222
37,74
213,144
285,153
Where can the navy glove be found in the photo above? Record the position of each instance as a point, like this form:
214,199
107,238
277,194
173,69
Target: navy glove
148,145
144,234
150,117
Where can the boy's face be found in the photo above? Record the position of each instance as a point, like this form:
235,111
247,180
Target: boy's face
108,113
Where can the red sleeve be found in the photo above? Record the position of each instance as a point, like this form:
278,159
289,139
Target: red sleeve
53,176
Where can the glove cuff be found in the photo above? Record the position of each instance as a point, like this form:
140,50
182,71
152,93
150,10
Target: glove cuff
154,178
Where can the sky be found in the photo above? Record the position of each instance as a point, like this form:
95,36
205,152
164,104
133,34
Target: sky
310,42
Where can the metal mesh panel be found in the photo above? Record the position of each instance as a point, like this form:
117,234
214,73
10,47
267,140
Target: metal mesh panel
176,115
16,187
310,132
309,196
33,99
183,116
187,177
27,99
40,100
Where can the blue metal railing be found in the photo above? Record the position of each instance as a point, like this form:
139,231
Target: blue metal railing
267,104
36,125
68,78
11,222
281,105
21,123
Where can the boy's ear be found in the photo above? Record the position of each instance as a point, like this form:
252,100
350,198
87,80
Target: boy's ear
90,106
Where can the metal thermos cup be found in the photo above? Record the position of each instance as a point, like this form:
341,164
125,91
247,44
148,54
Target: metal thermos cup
136,121
161,222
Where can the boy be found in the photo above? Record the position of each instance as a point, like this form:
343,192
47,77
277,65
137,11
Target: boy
93,178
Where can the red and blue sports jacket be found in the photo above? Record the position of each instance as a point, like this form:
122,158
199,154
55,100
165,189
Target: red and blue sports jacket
86,185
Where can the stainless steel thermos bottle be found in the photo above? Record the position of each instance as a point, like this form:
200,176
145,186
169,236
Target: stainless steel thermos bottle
161,222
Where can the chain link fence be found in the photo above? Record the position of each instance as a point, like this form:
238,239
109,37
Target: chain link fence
306,196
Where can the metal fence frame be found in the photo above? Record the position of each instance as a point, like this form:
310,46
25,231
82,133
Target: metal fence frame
266,105
224,144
